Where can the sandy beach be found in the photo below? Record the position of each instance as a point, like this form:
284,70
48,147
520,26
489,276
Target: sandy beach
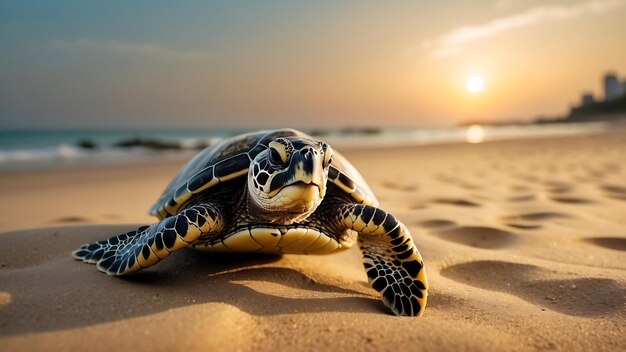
524,243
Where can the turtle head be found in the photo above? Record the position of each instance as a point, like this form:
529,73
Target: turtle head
287,181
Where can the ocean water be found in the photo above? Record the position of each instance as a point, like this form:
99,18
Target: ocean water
40,149
42,139
32,148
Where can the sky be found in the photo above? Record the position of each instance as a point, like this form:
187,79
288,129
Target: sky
188,64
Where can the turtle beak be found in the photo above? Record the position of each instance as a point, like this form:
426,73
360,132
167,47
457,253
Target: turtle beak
306,168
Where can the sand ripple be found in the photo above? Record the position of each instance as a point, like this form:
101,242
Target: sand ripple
562,292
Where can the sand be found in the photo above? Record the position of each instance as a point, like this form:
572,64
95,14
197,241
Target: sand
524,243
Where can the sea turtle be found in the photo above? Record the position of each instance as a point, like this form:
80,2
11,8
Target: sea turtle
278,191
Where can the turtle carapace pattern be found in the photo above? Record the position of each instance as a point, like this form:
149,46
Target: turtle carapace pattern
278,191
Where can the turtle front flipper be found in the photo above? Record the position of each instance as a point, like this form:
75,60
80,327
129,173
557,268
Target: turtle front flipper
394,265
147,245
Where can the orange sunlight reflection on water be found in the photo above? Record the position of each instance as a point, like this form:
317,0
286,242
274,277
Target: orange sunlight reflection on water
475,134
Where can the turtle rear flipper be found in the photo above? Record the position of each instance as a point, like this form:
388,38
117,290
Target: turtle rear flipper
394,265
147,245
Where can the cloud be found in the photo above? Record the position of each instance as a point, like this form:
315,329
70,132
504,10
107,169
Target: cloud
129,48
453,42
505,4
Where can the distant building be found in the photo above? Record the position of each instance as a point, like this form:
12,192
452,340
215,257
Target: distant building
613,88
608,108
587,99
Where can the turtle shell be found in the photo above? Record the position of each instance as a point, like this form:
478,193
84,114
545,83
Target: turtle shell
231,158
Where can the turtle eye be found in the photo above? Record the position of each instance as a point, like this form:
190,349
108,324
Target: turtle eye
277,155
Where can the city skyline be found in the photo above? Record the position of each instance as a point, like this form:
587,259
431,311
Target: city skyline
239,64
613,88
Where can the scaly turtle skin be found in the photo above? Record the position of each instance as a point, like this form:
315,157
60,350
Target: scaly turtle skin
277,191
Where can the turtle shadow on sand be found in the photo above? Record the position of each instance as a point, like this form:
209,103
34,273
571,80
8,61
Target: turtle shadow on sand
60,293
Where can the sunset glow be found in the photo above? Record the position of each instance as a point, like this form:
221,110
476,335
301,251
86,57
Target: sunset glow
474,84
316,64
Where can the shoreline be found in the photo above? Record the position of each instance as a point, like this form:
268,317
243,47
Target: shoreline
138,149
96,159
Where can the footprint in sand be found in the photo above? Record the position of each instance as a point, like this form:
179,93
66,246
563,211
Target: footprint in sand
436,223
615,243
455,201
557,187
72,220
596,174
559,190
556,183
539,216
398,187
525,198
571,200
530,221
614,191
525,226
617,196
560,292
478,236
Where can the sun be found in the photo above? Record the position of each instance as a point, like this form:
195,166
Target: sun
474,84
